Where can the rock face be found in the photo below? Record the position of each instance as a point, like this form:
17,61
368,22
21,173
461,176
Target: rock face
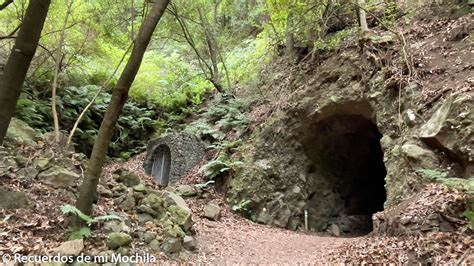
451,130
11,200
185,152
19,131
340,147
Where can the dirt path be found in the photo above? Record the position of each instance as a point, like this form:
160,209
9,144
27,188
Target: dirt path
234,239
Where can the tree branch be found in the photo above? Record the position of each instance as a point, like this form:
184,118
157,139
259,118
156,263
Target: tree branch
5,4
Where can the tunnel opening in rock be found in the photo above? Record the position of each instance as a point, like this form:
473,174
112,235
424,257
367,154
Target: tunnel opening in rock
347,174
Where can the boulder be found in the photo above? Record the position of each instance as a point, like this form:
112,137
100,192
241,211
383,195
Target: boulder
187,191
139,188
171,245
148,238
421,157
58,177
20,132
181,217
335,230
7,164
283,217
173,199
155,245
11,200
42,163
116,226
175,231
21,160
118,239
212,211
450,129
155,202
128,204
189,243
143,218
127,178
70,248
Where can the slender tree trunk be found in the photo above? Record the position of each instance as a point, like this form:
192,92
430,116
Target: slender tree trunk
119,97
132,24
19,61
362,16
212,45
57,67
290,39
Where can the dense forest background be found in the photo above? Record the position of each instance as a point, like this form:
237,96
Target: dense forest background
199,47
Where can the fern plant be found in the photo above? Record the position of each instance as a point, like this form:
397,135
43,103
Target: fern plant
85,231
218,166
242,206
433,174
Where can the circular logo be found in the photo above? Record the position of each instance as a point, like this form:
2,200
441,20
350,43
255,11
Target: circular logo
6,258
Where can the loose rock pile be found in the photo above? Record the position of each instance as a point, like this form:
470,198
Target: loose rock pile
436,208
152,221
426,228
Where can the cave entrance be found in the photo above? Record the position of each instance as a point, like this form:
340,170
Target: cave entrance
160,169
348,171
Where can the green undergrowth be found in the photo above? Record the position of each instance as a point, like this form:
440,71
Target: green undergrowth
222,127
136,123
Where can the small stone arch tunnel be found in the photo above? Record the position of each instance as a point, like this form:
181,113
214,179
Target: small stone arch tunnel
170,157
347,169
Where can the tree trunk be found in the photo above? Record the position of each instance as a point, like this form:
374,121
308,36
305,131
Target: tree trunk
57,68
290,39
119,97
212,46
362,16
19,61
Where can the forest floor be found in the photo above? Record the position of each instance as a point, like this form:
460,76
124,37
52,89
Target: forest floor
235,239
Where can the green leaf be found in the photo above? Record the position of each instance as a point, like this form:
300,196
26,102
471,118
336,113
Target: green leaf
69,209
106,218
83,232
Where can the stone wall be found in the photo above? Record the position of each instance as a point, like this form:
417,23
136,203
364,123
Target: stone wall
186,152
